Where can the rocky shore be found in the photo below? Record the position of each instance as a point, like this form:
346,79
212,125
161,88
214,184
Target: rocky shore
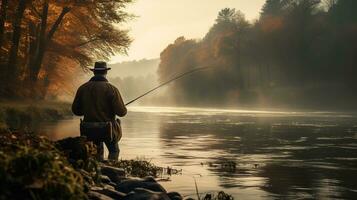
32,167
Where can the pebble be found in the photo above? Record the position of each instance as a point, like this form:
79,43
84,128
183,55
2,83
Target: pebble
97,196
116,186
144,194
147,183
105,179
115,174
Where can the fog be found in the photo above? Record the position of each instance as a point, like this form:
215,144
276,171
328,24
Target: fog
133,78
299,54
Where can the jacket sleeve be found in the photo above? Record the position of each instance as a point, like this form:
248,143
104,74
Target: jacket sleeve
76,105
118,104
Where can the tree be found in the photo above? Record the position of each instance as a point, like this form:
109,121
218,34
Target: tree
274,7
343,11
3,10
43,40
298,51
12,68
53,40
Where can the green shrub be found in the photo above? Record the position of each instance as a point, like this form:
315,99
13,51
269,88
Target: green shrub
137,168
25,117
32,168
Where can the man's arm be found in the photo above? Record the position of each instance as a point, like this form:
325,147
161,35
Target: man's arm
118,104
76,105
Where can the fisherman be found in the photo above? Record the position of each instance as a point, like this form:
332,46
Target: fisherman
99,102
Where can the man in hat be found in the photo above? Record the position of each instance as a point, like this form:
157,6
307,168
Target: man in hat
99,102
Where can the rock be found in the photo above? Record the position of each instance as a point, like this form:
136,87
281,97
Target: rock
105,179
174,196
106,190
112,193
149,183
115,174
112,184
86,176
145,194
96,188
107,186
149,179
98,196
76,148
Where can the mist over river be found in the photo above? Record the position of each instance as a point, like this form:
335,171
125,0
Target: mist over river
249,154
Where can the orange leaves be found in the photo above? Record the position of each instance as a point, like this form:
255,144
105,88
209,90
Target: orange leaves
271,23
74,34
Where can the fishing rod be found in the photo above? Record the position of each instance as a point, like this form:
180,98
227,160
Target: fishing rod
167,82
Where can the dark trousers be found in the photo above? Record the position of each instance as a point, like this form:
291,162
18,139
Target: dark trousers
113,148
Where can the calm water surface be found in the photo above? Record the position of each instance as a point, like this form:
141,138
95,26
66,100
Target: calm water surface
288,155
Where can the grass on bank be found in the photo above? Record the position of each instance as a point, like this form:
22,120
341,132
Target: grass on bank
32,168
24,115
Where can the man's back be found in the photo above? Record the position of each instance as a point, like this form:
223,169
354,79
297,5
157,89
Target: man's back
98,101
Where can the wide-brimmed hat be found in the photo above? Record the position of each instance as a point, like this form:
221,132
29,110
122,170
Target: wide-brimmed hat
100,66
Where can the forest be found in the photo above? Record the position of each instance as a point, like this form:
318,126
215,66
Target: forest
46,44
297,53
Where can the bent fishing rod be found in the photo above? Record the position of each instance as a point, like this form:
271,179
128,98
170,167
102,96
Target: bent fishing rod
167,82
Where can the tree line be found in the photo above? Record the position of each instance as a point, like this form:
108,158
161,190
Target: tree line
297,52
44,44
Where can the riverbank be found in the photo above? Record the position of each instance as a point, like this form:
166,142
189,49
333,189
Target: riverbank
32,167
26,114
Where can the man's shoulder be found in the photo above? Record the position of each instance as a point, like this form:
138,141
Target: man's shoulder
112,86
84,85
101,84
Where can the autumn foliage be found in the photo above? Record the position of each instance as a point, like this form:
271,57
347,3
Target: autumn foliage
46,43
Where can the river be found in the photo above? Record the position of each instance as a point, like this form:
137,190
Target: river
249,154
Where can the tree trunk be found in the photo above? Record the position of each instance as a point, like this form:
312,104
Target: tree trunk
2,20
36,67
40,45
16,35
55,26
33,44
2,53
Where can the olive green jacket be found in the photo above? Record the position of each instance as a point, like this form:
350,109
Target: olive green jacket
99,101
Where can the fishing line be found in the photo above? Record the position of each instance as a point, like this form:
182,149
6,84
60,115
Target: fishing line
169,81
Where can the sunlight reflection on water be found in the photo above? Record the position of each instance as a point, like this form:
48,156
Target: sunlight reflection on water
276,154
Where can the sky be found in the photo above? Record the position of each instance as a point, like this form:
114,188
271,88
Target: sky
159,22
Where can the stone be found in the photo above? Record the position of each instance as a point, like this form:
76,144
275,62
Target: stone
104,179
107,186
76,148
96,188
112,184
174,196
115,174
112,193
149,183
86,176
93,195
145,194
149,179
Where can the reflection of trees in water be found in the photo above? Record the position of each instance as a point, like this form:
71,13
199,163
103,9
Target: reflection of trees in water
288,181
318,182
313,153
226,136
